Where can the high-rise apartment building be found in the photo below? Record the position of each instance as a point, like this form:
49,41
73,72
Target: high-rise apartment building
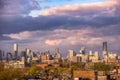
57,57
82,50
57,53
28,52
94,57
24,54
9,56
90,52
56,50
71,53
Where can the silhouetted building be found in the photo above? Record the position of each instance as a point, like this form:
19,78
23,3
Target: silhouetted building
24,54
9,56
104,46
0,55
105,52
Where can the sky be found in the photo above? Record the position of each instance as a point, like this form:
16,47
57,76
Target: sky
66,24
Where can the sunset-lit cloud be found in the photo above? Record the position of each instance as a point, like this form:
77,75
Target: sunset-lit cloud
80,9
20,36
86,36
52,42
64,26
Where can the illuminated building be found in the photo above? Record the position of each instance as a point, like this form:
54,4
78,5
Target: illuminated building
15,49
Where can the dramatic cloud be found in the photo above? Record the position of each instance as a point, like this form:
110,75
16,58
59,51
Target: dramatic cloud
100,8
62,37
91,38
52,42
66,26
20,36
10,8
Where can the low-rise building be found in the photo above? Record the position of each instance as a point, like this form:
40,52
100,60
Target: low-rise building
101,75
46,58
87,75
14,64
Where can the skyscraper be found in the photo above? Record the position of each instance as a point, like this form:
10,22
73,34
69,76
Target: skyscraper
105,51
71,53
56,50
82,50
57,53
15,49
57,57
24,54
104,46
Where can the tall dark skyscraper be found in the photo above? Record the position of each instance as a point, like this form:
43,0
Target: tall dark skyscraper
24,54
104,46
105,51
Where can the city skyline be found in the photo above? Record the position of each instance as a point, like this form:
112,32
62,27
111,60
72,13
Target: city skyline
16,51
67,24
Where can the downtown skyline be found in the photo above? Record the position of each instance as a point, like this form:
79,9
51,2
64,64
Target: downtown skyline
67,24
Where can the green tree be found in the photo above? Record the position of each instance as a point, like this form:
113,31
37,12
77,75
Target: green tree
74,67
101,67
81,65
10,74
33,70
65,65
